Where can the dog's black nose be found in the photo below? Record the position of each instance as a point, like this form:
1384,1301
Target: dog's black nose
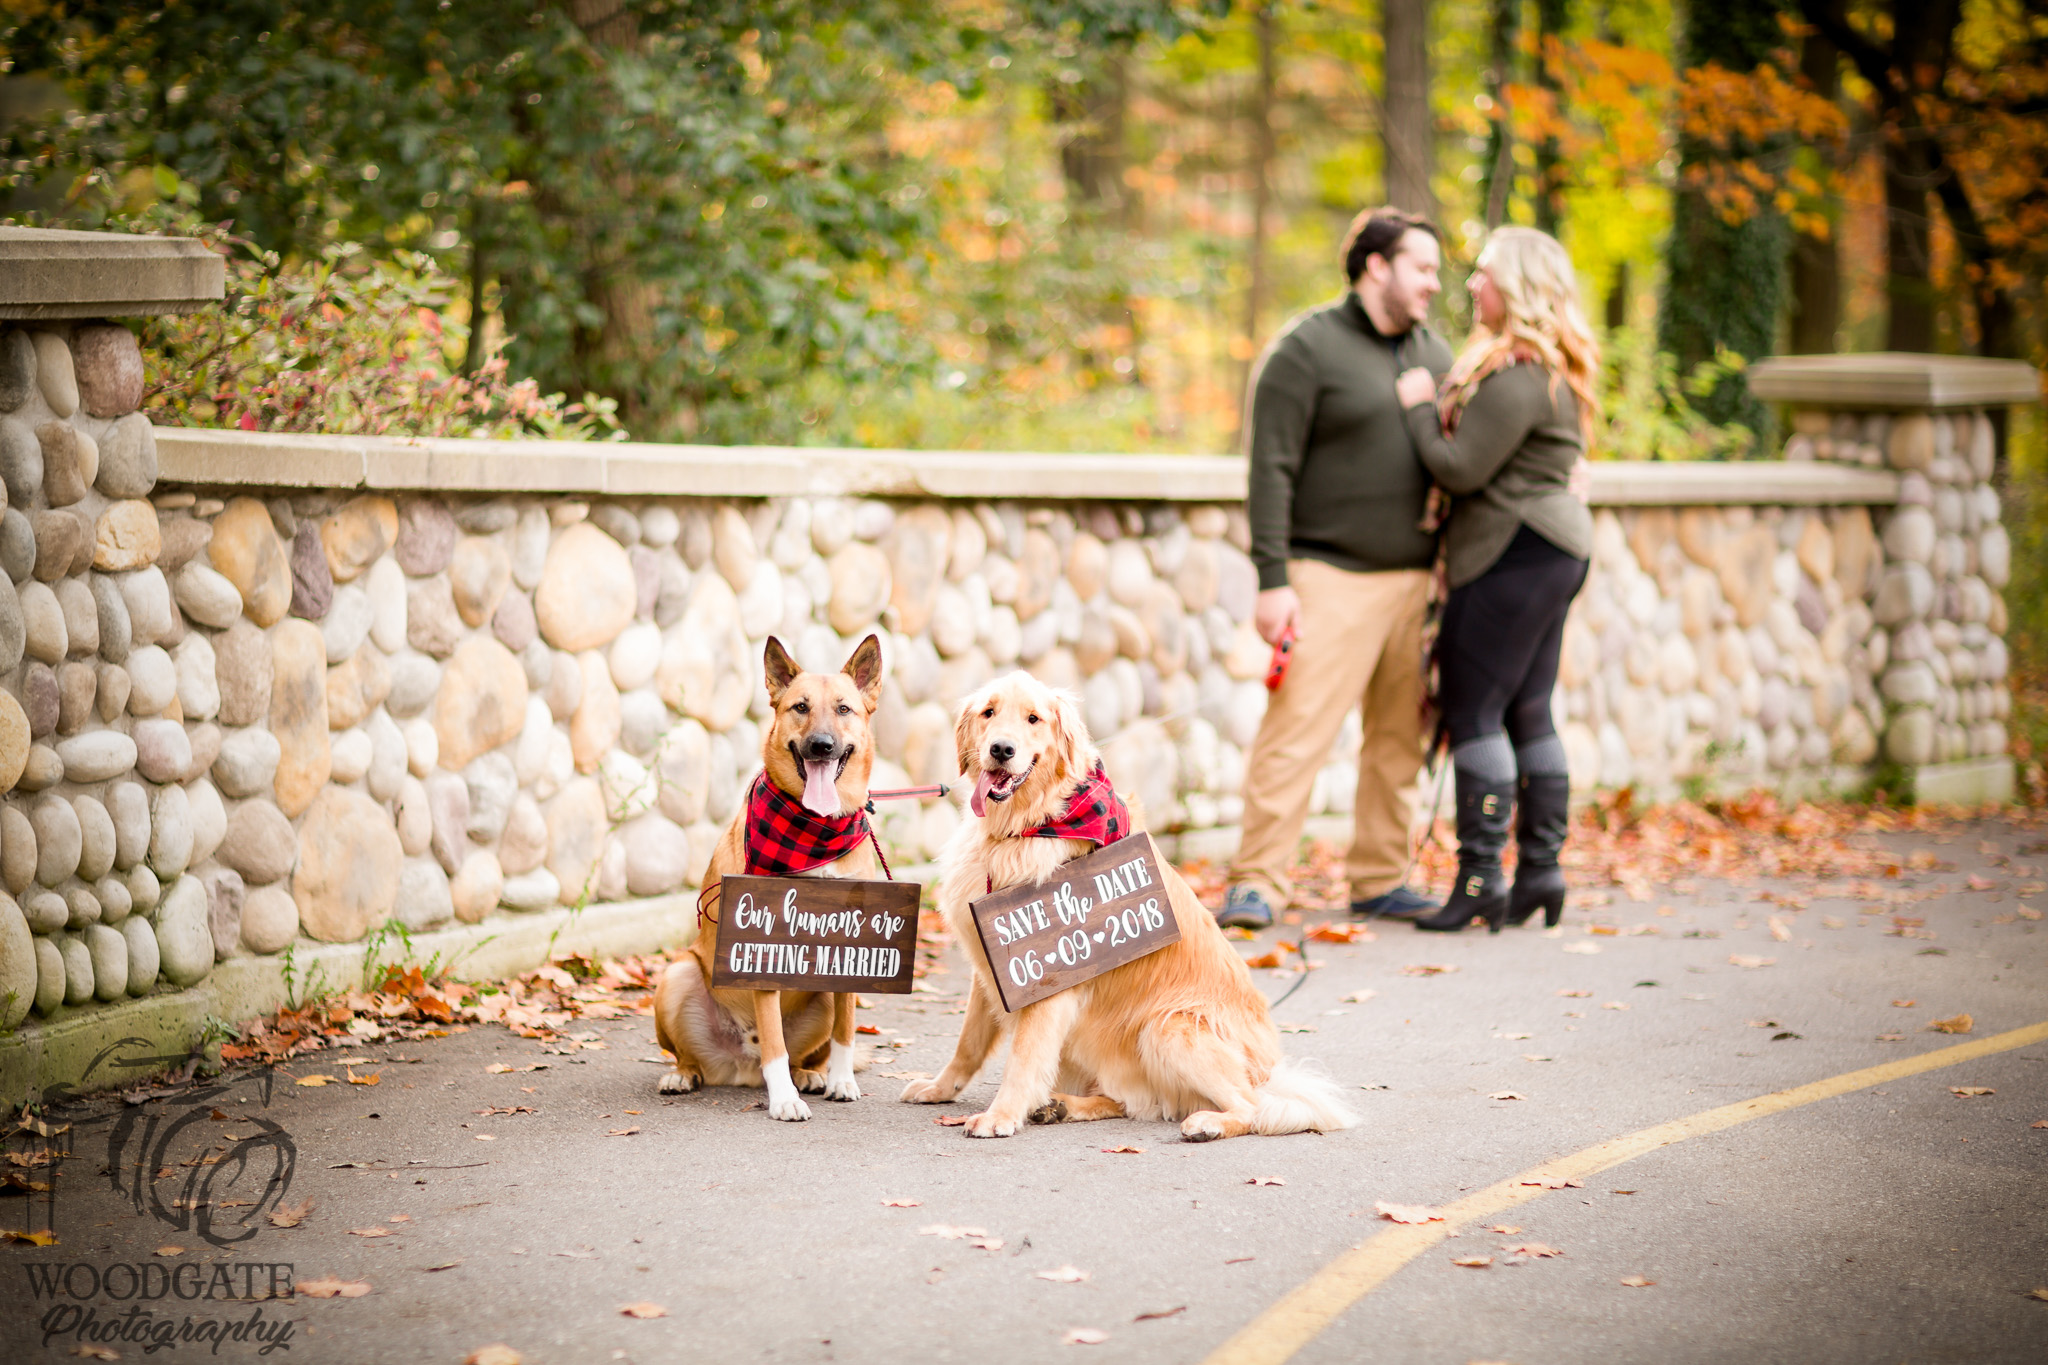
821,745
1002,751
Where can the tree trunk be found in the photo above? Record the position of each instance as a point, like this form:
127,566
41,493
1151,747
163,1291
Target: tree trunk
1618,297
1406,133
1816,259
1499,176
1090,113
1551,17
1262,156
1923,33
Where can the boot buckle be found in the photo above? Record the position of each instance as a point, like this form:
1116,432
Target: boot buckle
1474,884
1489,804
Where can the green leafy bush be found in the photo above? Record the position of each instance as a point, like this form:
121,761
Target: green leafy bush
344,344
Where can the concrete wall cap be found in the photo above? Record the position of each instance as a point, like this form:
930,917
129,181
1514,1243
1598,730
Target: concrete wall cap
1894,380
51,273
198,456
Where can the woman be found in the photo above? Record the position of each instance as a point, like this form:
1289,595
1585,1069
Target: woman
1503,439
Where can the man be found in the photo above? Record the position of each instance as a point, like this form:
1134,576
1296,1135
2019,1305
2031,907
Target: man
1337,497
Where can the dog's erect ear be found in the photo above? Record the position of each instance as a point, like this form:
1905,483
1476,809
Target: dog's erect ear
1071,748
864,666
780,668
967,732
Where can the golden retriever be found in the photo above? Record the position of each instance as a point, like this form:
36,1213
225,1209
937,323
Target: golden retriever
1180,1034
817,751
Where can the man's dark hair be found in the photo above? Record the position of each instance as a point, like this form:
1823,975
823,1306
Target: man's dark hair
1378,232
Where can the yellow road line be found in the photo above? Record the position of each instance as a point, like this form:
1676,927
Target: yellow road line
1276,1334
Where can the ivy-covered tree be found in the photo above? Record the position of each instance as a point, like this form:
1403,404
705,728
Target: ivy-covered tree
1725,262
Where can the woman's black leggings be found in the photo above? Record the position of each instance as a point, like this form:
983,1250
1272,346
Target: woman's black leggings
1497,651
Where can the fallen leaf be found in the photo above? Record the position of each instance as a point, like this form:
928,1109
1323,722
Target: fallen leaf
1780,931
1066,1274
1355,998
1474,1262
1263,960
1982,883
314,1080
2039,1294
1575,995
1407,1213
1621,1191
1537,1057
1744,960
1266,1180
1532,1249
1787,1034
486,1137
986,1243
1638,1282
499,1067
1125,1150
1162,1313
2039,1123
1551,1182
497,1353
1961,1023
1891,1037
399,1218
1297,1028
1428,968
1507,1095
1084,1336
1341,933
170,1251
1964,1092
901,1203
1614,1005
643,1310
371,1079
866,1028
369,1232
1514,1037
1904,1004
952,1120
88,1351
950,1231
290,1216
34,1239
1583,948
328,1287
1504,1229
446,1265
621,1132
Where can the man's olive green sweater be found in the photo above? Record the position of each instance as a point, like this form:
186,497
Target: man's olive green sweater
1508,466
1334,473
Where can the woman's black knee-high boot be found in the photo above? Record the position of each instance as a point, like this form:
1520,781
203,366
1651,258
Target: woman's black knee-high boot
1542,820
1481,891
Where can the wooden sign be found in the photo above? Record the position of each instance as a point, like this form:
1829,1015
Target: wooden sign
816,934
1093,914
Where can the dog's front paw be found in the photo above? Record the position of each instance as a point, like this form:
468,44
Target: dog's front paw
680,1082
842,1088
809,1082
789,1109
987,1125
1203,1126
927,1092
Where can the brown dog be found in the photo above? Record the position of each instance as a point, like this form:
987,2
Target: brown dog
818,752
1180,1034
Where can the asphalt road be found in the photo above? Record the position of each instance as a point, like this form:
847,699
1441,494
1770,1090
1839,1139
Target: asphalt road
1897,1223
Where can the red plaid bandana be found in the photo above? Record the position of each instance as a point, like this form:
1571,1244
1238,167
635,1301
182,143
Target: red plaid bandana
782,838
1095,813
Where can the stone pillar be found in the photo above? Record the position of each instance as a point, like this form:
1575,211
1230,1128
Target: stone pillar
1939,647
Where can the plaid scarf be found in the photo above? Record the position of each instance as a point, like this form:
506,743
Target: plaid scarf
782,838
1095,813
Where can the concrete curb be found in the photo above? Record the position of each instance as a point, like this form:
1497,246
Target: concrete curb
61,1052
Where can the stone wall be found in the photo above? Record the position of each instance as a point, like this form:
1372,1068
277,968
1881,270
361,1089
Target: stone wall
298,687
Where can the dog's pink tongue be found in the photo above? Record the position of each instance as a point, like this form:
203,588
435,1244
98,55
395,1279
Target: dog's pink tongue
983,780
820,795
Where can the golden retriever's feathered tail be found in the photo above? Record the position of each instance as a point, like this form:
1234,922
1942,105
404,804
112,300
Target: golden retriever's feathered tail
1296,1099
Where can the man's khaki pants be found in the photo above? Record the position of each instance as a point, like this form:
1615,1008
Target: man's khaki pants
1360,644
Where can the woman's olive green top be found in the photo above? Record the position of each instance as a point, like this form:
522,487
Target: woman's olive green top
1508,465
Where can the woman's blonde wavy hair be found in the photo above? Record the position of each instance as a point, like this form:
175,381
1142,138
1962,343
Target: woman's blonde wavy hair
1544,324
